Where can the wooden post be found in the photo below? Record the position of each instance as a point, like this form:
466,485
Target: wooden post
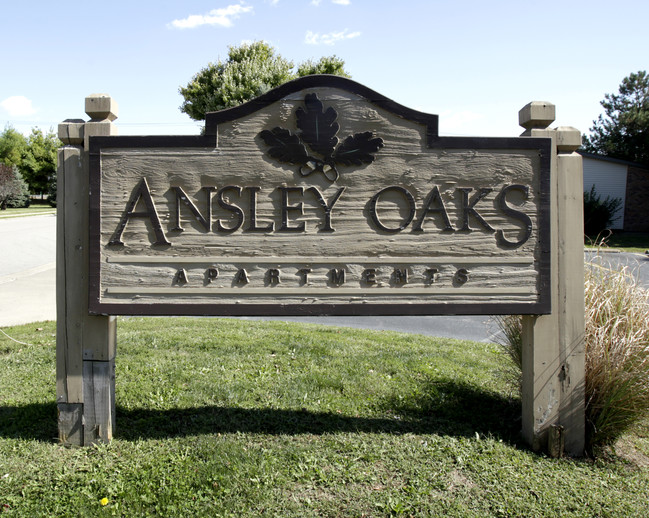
553,345
570,208
85,345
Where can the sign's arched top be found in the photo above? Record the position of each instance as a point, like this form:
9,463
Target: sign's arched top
213,119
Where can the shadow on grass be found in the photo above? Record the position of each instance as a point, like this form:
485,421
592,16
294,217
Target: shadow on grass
34,421
444,407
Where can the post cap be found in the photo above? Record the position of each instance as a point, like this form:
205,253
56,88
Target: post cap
537,114
101,107
568,139
71,132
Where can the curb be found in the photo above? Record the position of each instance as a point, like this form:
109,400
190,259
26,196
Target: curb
7,216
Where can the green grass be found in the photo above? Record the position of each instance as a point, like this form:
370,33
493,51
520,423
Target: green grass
637,242
33,210
218,417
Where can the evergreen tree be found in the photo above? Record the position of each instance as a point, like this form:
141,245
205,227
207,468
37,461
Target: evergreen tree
623,130
13,189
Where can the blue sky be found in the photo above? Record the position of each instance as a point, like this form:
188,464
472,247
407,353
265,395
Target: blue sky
474,63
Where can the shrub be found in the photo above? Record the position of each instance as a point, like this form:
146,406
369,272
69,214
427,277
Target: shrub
22,198
14,192
617,353
598,213
51,192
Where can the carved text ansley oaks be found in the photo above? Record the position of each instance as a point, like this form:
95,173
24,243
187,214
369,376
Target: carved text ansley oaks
290,207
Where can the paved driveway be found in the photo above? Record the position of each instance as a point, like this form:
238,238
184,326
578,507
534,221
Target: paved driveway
27,269
636,264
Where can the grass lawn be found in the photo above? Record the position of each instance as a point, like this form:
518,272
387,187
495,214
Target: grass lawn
624,241
219,417
33,209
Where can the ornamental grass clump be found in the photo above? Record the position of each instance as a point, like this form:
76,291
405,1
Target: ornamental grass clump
511,341
617,353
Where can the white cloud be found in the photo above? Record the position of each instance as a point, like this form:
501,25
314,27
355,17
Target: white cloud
222,17
315,38
337,2
18,106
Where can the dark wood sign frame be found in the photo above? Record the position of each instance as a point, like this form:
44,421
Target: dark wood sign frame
210,139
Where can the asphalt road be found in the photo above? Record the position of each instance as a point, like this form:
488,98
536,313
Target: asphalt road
637,265
27,286
476,328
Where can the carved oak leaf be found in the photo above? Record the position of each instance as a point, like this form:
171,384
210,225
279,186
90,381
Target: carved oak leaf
318,126
358,149
284,146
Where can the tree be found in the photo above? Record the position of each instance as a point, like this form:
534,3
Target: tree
250,70
52,193
39,160
12,147
13,189
326,65
623,131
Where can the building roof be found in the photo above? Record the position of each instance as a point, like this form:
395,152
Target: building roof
612,160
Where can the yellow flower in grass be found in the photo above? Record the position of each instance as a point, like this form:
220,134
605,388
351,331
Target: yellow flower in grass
104,501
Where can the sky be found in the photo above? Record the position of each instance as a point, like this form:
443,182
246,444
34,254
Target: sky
474,63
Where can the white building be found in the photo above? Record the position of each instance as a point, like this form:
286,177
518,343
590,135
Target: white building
627,181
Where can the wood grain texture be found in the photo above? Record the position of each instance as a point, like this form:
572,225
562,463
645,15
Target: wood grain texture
240,160
572,306
70,423
553,361
99,401
71,241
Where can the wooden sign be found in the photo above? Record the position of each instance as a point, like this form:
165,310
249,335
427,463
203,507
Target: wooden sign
320,197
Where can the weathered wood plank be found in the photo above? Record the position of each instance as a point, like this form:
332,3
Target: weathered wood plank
100,336
62,368
540,355
71,240
70,423
99,404
571,293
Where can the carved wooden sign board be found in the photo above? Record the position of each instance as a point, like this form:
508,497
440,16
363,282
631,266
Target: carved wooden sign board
321,197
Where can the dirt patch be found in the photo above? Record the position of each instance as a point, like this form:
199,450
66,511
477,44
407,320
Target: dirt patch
459,481
625,449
